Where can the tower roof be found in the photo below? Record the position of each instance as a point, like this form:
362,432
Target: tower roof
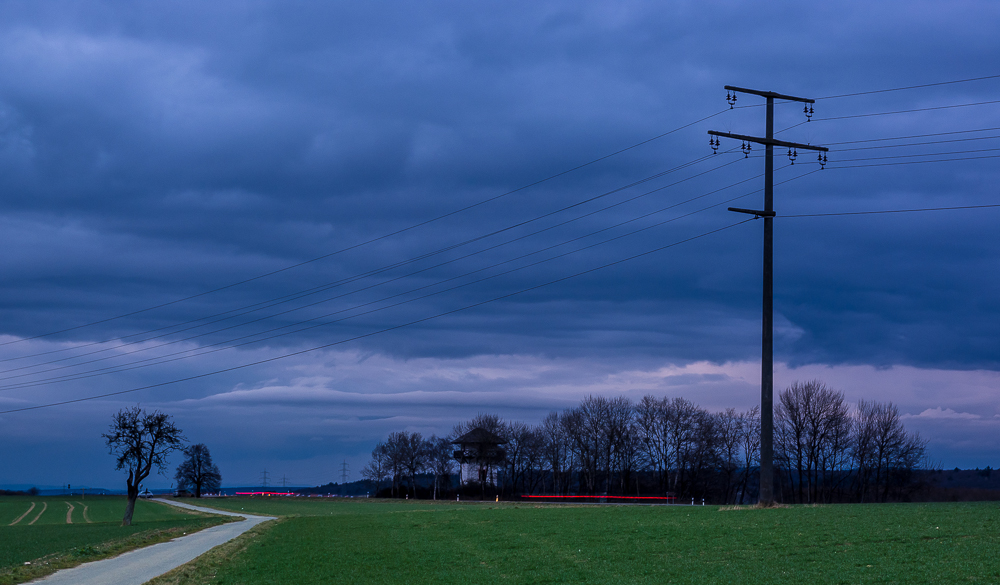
481,436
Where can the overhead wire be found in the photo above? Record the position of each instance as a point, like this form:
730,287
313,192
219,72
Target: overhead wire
315,290
352,292
481,203
875,91
372,240
908,144
952,208
596,160
921,86
914,136
835,166
927,109
380,331
229,343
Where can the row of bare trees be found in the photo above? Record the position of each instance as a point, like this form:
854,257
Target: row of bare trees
828,451
825,450
403,456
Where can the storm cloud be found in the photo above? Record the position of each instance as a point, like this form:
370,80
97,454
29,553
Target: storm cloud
370,203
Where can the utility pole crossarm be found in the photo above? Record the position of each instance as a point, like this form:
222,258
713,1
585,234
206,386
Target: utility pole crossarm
769,141
754,212
770,94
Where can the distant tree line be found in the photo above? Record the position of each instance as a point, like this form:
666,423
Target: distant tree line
826,450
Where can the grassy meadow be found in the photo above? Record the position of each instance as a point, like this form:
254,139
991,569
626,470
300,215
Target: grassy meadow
377,541
47,533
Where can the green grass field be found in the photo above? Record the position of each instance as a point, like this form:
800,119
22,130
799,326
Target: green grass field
343,541
41,535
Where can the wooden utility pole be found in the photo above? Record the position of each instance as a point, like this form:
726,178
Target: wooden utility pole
767,342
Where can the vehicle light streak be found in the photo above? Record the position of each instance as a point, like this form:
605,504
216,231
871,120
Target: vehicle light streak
609,497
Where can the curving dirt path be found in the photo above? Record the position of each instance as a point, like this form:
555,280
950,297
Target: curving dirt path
69,513
140,565
21,517
45,505
86,518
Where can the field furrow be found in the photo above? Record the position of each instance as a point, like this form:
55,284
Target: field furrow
45,506
86,517
21,517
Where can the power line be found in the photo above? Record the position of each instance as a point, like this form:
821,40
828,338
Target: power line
315,290
380,331
903,111
417,225
924,143
482,202
229,344
923,85
835,166
892,211
917,136
104,371
372,240
885,114
120,368
874,91
925,154
470,207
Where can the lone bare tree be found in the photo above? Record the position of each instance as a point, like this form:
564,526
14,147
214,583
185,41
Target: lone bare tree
141,440
197,471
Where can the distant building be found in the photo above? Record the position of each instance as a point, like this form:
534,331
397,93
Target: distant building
479,453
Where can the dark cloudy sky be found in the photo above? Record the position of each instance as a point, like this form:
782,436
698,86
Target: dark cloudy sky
322,158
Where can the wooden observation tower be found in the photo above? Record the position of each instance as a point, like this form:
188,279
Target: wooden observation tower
479,453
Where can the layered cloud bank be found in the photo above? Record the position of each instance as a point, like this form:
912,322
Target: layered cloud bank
456,208
304,418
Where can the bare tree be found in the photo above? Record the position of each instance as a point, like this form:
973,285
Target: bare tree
377,468
488,422
884,453
140,441
750,447
729,425
555,452
197,471
395,458
619,458
413,450
813,430
440,460
681,419
652,424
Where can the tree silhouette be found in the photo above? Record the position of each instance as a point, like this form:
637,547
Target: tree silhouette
197,473
140,440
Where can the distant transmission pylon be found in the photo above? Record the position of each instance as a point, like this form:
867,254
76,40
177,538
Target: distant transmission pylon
263,479
344,472
767,342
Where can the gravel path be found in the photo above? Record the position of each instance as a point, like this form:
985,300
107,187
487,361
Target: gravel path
140,565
